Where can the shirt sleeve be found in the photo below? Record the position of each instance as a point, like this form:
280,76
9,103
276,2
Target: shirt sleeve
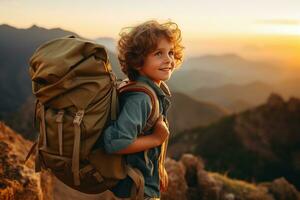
135,109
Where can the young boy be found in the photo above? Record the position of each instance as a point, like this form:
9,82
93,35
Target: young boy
148,53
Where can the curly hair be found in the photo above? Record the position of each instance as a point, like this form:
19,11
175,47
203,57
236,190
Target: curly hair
137,42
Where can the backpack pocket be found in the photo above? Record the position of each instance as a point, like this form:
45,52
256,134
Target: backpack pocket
113,167
55,162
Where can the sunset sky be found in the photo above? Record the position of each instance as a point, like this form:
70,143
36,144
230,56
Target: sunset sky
257,29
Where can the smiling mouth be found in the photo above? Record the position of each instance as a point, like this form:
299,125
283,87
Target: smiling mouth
166,69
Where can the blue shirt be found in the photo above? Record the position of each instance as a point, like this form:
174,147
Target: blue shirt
135,107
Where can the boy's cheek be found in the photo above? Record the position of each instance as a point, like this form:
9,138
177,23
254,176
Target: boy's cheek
173,64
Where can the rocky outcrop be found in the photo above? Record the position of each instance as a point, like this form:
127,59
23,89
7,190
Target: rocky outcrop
188,179
187,113
177,187
199,184
281,189
17,181
259,144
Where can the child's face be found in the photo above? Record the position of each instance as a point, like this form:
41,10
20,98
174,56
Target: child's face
159,64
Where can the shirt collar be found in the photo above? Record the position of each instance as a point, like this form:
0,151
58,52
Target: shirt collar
159,91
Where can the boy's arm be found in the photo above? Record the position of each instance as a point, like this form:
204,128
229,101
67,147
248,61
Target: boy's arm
121,133
145,142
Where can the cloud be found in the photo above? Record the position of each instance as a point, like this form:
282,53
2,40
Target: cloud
291,22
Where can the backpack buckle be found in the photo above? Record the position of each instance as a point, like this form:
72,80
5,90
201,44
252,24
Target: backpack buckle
78,117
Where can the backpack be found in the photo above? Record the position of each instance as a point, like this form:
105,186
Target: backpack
77,97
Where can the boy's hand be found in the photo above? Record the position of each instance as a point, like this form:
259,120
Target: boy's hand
161,131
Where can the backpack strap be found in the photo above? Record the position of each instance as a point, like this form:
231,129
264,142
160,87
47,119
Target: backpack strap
165,88
42,138
114,105
76,148
43,125
59,121
137,191
134,86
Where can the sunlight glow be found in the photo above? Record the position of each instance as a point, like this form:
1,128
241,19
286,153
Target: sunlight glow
280,29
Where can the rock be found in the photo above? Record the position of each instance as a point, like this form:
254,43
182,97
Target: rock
229,196
17,181
177,185
192,165
208,187
281,189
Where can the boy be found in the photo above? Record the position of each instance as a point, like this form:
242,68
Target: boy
148,53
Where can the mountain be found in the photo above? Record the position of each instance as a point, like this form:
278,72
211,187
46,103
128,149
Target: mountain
239,97
111,45
258,144
289,87
17,104
218,70
235,97
189,80
240,69
233,82
16,47
187,113
108,42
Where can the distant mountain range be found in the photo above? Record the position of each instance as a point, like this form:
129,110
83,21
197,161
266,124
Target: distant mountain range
258,144
228,81
218,70
16,104
16,47
235,97
239,97
187,113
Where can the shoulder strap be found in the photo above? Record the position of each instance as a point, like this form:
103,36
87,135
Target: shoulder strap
134,86
165,88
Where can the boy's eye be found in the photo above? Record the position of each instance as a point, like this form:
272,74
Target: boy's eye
171,53
158,53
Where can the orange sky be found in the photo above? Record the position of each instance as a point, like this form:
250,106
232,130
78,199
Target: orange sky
283,50
257,29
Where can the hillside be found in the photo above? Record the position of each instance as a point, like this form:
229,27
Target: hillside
188,179
17,181
236,97
218,70
258,144
187,113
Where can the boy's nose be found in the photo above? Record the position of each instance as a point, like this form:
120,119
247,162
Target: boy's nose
168,59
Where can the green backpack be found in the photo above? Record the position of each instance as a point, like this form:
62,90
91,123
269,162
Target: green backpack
77,96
